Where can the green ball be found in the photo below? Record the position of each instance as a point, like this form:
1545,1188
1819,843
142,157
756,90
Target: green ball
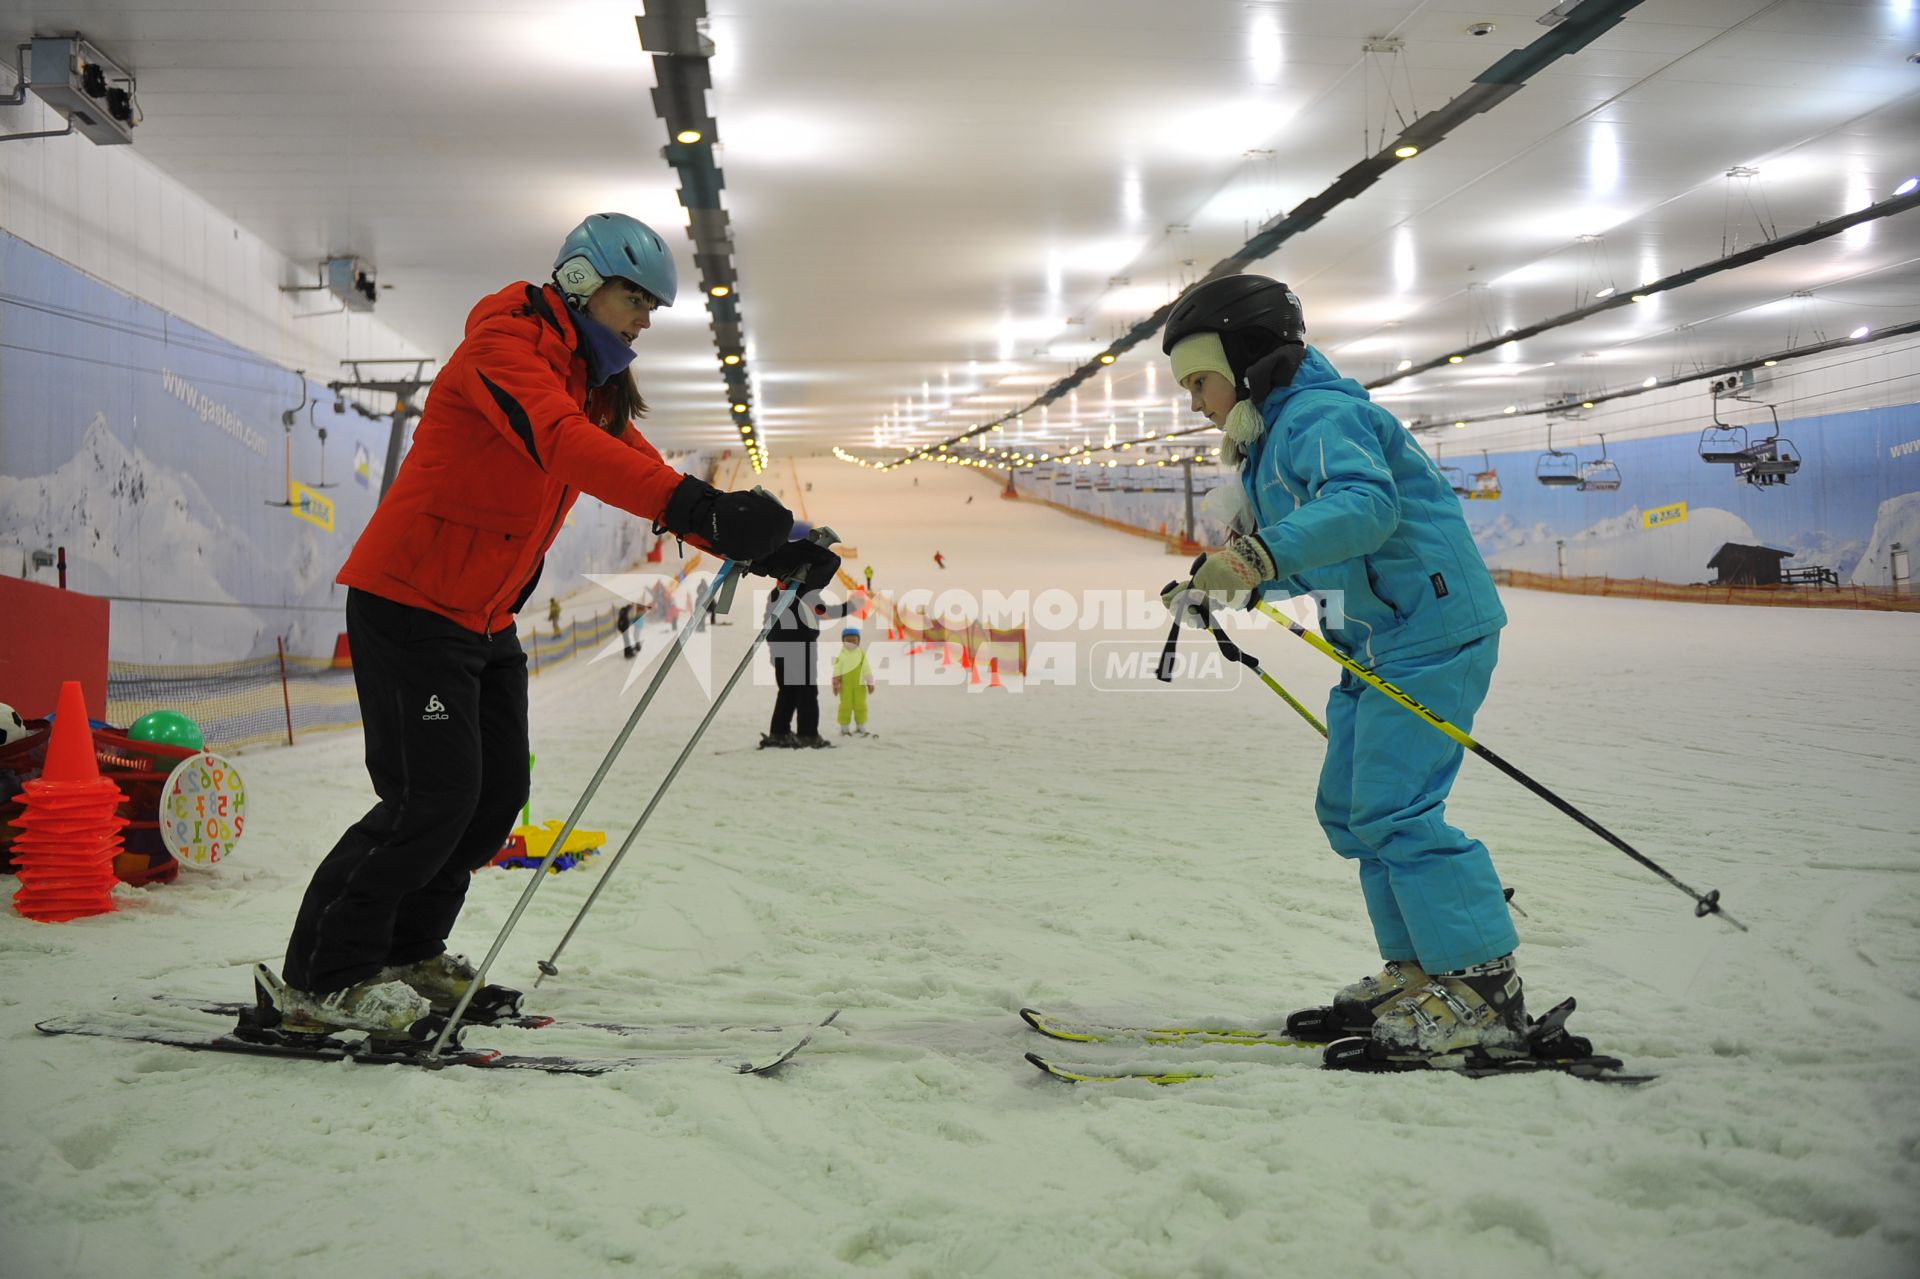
170,728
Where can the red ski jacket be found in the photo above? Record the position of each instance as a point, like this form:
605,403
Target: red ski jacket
510,438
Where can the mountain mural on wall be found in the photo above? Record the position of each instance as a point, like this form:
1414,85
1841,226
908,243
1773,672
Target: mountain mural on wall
131,528
167,462
1896,521
1619,546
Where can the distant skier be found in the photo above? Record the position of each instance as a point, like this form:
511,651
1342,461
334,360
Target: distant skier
621,623
869,579
792,645
852,682
553,613
939,559
1336,498
969,499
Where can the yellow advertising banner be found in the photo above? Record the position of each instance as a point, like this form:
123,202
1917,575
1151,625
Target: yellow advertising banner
1658,516
310,506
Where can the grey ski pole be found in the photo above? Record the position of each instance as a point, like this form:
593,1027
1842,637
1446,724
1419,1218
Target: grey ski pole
722,581
549,966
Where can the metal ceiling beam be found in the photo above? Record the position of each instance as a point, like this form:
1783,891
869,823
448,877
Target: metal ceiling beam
670,31
1490,88
1745,257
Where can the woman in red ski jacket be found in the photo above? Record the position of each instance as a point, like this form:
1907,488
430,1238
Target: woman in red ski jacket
534,408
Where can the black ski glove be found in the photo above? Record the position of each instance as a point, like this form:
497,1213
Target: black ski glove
806,562
742,525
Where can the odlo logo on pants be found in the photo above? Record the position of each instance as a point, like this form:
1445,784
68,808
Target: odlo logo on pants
434,709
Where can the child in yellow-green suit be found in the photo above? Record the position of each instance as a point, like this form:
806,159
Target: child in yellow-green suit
852,680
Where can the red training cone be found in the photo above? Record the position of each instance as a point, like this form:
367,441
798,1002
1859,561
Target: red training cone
70,752
70,829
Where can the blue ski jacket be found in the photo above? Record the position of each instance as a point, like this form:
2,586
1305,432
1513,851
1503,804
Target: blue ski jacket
1357,515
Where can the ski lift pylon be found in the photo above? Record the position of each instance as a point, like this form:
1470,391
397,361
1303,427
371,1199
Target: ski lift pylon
1601,475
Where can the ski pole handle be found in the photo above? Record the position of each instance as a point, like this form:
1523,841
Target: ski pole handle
1164,671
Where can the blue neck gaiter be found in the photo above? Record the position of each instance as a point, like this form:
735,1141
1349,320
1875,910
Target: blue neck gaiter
607,352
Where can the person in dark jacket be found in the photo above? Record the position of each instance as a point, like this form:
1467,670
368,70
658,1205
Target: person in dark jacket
622,622
793,643
535,407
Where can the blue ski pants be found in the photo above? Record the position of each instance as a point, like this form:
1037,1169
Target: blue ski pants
1431,890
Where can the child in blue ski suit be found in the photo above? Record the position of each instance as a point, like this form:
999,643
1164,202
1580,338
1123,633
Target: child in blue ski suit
1337,501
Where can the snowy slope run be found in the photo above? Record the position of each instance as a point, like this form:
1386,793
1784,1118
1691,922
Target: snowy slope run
1123,855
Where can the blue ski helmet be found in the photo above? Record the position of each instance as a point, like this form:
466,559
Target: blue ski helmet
612,244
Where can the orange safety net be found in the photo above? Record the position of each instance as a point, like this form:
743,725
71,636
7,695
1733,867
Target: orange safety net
978,643
1875,598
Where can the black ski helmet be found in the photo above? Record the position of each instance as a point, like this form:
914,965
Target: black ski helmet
1253,314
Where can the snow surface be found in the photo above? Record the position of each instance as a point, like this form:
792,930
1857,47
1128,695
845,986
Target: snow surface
1108,853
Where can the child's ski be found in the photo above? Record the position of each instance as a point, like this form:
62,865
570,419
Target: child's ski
1088,1033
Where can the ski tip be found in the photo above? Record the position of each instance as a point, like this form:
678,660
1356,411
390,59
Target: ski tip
1052,1071
1037,1020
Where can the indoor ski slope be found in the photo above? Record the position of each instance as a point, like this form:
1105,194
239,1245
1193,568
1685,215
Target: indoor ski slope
1120,854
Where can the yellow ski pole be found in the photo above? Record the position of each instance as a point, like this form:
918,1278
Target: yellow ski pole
1703,904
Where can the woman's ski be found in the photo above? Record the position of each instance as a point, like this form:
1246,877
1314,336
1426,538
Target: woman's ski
522,1021
247,1037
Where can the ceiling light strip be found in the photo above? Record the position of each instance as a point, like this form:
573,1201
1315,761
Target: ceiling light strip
1755,253
670,31
1489,89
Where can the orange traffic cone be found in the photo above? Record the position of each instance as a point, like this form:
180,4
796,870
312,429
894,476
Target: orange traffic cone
71,829
973,667
993,669
946,655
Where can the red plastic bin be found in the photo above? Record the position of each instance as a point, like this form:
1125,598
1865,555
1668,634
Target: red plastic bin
139,769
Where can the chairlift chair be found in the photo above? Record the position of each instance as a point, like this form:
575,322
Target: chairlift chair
1556,469
1769,461
1600,476
1773,461
1486,483
1456,477
1721,442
